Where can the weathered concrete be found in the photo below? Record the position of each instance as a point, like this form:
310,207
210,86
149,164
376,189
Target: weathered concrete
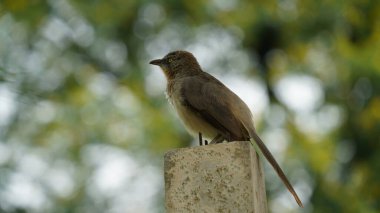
223,177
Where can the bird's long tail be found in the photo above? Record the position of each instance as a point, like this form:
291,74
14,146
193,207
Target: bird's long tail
265,151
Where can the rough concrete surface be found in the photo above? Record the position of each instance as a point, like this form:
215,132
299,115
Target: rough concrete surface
223,177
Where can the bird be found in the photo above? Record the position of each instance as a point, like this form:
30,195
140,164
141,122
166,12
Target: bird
206,106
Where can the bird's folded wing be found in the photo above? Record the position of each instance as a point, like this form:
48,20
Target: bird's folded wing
207,97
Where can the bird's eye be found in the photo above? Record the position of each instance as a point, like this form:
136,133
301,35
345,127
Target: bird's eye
170,60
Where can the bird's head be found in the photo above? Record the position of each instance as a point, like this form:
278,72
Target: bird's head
178,63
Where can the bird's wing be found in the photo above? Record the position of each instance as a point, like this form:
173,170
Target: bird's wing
207,97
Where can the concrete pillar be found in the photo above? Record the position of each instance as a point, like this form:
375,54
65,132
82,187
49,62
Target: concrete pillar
225,177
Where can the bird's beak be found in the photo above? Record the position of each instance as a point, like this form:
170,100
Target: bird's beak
157,62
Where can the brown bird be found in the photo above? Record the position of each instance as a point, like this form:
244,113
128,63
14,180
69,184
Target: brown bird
207,106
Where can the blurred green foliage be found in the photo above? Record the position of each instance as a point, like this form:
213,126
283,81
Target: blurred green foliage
84,122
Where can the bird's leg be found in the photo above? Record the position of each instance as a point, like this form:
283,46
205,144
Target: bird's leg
218,139
228,137
200,138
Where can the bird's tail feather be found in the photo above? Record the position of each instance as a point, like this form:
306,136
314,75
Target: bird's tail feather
265,151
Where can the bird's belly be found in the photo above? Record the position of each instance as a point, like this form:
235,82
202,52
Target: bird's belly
193,122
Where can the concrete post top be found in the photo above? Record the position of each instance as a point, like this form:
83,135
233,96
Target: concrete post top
223,177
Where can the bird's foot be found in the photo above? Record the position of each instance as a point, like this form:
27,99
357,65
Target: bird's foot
218,139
